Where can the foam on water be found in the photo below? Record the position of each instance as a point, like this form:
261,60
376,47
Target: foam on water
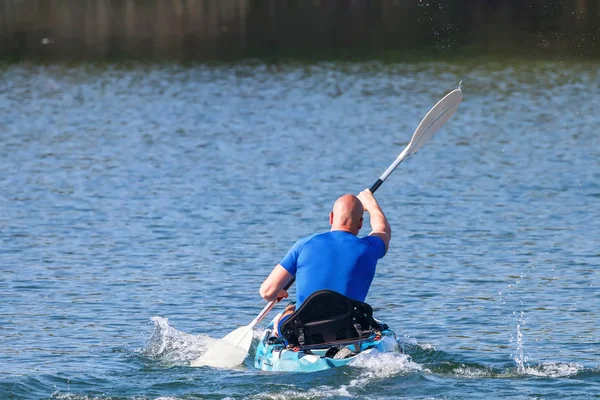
72,396
472,371
553,370
386,364
370,367
316,392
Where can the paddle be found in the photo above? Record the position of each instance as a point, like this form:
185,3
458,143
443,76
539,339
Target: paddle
233,348
433,120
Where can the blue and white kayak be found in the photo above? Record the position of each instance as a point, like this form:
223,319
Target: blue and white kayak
329,330
274,355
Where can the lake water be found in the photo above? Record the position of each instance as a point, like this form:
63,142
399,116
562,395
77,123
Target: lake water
141,207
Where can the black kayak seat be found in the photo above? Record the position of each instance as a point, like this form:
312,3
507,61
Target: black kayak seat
327,316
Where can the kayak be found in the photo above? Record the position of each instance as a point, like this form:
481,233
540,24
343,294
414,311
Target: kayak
328,333
273,356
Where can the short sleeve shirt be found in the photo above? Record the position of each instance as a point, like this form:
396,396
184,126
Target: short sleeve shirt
335,260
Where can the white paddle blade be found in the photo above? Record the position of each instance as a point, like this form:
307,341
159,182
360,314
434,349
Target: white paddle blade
228,352
435,118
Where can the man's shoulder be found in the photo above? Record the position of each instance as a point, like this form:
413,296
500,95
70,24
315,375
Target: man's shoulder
301,242
315,236
376,243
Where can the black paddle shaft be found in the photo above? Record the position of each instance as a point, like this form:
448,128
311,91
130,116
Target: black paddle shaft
376,185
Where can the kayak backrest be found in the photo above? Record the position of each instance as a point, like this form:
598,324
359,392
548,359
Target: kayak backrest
328,316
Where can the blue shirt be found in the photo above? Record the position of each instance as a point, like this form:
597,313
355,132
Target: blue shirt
335,260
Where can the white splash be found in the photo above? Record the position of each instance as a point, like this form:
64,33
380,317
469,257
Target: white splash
520,358
426,346
385,365
546,369
172,346
411,341
381,366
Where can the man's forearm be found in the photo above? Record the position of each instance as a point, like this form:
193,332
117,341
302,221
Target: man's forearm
379,222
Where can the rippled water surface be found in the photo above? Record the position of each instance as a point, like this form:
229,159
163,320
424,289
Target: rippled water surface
141,208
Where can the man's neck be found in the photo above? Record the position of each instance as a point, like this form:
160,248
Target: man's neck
343,228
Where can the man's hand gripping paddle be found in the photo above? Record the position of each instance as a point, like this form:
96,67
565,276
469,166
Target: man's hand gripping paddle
233,349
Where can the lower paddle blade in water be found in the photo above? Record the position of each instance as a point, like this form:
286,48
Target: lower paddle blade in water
228,352
221,355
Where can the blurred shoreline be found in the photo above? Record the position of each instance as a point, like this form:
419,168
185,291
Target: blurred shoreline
205,30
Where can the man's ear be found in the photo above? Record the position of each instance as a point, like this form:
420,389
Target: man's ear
360,223
331,218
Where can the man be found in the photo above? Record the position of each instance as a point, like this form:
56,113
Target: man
337,260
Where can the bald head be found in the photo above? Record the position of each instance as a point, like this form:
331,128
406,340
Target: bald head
347,214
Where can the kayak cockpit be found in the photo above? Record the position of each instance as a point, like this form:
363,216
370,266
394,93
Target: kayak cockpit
327,316
328,330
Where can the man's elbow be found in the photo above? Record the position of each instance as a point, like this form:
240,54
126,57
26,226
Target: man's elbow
266,293
263,291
